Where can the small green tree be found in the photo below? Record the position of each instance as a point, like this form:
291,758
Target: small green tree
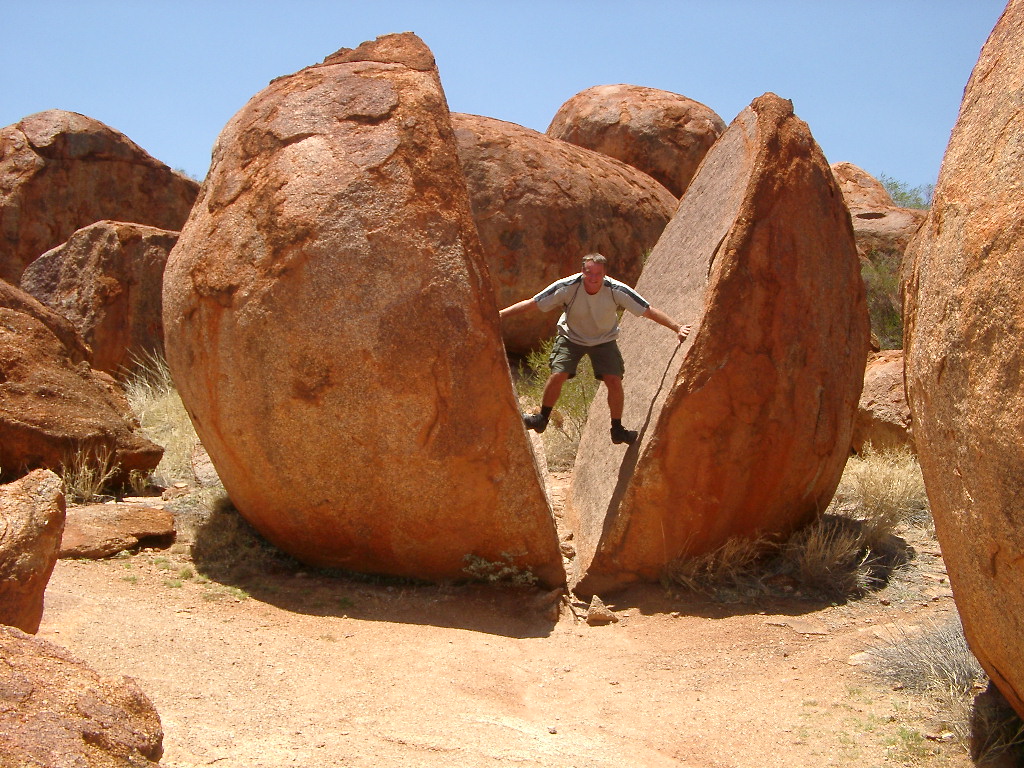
906,196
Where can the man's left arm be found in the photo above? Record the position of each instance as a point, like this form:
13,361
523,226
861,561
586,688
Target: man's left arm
682,331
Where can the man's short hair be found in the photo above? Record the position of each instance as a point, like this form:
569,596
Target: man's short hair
596,258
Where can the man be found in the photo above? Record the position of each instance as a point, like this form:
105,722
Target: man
589,325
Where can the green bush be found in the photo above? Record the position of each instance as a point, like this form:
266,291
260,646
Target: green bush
906,196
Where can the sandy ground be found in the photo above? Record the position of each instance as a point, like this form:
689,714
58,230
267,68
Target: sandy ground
306,670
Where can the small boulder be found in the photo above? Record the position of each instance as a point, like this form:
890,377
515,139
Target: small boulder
883,415
333,333
745,429
964,346
663,134
31,521
58,712
61,171
100,530
54,411
107,279
598,613
541,205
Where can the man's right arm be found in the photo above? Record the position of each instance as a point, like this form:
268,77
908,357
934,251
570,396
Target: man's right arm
518,308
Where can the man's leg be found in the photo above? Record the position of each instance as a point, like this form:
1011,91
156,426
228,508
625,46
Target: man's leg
553,388
616,396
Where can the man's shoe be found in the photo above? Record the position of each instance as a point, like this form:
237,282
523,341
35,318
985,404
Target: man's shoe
622,435
535,421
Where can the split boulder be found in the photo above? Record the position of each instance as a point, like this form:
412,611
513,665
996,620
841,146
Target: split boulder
57,711
61,171
107,279
663,134
55,412
333,332
541,205
744,429
31,522
965,354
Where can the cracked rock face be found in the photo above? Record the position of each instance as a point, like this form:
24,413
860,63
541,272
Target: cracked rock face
963,343
60,171
331,327
745,429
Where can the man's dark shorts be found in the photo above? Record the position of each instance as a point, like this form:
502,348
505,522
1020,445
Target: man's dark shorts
605,358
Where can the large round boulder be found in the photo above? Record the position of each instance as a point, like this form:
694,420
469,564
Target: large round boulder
541,205
745,429
61,171
661,133
883,414
333,333
964,346
107,279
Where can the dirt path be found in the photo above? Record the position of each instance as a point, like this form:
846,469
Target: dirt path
315,671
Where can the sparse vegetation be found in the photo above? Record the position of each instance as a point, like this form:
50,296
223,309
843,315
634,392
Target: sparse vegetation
504,571
881,274
906,196
849,551
87,474
162,415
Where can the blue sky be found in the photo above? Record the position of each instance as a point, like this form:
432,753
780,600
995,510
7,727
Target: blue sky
878,81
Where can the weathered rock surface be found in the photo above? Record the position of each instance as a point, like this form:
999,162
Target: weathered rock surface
53,409
663,134
14,298
745,429
108,280
964,344
59,712
61,171
333,332
883,415
101,530
31,521
860,189
541,205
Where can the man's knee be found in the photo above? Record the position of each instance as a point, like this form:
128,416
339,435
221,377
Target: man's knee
614,383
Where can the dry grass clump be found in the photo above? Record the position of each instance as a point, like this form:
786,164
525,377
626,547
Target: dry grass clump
162,415
850,550
87,474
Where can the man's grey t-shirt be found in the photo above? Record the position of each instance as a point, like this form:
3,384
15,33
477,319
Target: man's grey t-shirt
588,319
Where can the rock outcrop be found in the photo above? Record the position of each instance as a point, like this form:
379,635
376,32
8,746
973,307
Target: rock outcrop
59,712
745,429
333,332
964,344
100,530
55,411
883,415
663,134
107,279
61,171
541,205
31,522
12,297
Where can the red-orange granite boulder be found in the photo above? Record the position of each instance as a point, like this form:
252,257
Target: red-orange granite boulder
663,134
333,333
58,712
55,411
541,205
964,344
883,414
745,429
31,523
108,280
14,298
61,171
